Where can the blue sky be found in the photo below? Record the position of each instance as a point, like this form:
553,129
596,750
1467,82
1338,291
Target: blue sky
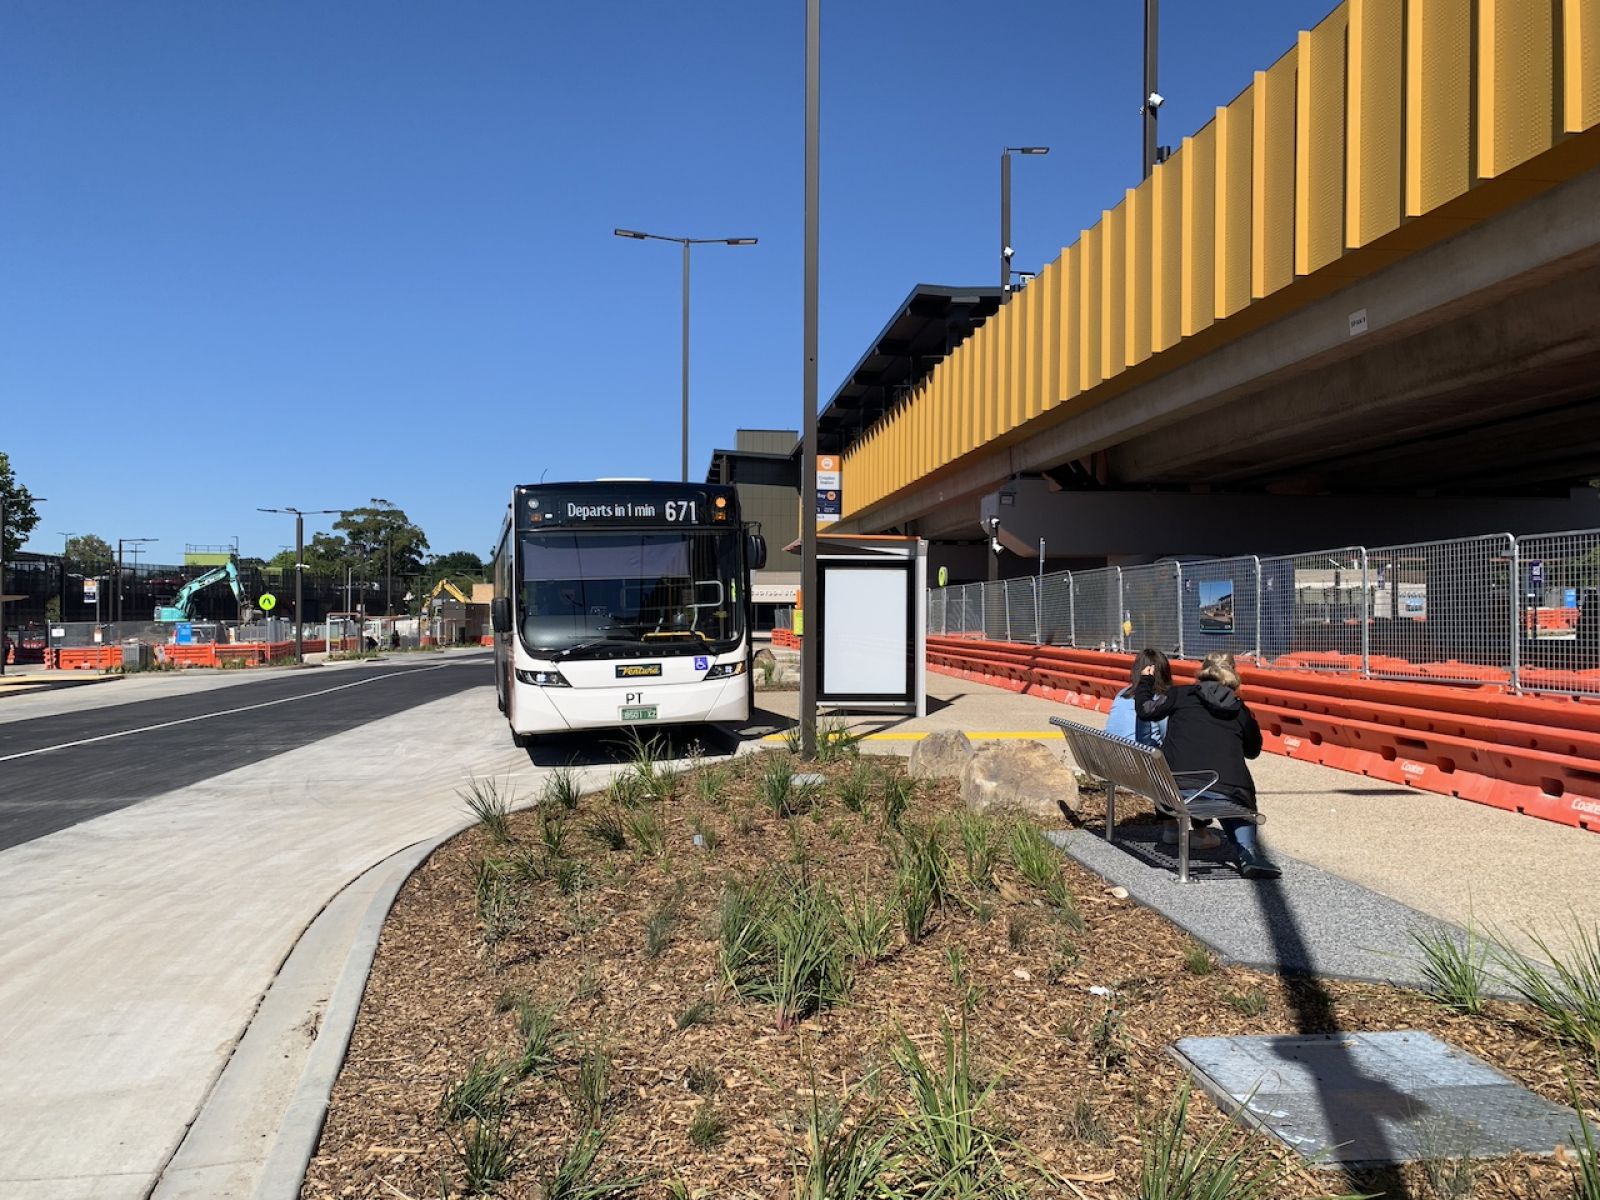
311,253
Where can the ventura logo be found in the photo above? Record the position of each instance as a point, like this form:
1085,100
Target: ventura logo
638,670
1411,768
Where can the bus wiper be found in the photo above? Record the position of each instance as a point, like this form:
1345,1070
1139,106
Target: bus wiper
677,633
569,651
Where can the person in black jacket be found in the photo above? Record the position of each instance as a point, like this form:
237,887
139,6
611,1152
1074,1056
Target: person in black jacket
1209,728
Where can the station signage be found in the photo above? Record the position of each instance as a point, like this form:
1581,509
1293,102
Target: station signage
830,489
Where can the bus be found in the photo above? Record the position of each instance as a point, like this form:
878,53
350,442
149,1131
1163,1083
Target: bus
623,603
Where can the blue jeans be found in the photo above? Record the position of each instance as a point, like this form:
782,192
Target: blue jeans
1240,832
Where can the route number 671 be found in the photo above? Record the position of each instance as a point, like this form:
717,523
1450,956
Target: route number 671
681,510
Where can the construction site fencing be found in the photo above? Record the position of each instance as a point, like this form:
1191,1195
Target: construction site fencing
1494,609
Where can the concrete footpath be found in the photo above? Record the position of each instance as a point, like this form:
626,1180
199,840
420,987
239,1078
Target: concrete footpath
135,948
1449,858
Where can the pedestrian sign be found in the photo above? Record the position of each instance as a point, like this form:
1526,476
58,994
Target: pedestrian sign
268,602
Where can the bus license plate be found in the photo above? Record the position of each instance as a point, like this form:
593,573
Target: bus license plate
639,714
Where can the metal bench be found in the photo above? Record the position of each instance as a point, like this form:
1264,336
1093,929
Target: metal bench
1122,762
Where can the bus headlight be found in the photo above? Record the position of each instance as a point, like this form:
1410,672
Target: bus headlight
725,670
543,678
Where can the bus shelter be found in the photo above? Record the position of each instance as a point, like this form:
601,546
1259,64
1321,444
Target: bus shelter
870,622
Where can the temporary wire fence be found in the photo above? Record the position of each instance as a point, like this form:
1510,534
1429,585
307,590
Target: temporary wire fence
1523,612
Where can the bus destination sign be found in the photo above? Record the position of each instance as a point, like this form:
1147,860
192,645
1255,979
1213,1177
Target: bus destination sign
684,508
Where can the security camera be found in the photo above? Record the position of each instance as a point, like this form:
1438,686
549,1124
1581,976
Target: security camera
1156,100
994,525
1007,251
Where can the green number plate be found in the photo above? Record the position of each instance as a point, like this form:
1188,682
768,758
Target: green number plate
639,714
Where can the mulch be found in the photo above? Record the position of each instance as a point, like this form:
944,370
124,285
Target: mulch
1079,1075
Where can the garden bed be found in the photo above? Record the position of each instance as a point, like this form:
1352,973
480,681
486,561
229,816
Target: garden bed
532,987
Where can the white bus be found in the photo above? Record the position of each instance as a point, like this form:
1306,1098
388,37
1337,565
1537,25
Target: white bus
623,604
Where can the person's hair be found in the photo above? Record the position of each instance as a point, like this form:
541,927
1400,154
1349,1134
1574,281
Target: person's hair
1218,666
1153,658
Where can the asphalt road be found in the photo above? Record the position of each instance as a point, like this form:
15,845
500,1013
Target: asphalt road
58,770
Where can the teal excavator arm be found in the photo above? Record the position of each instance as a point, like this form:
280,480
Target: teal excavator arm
181,607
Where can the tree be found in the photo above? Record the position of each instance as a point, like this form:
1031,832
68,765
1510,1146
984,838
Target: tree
455,566
326,554
383,540
20,514
89,551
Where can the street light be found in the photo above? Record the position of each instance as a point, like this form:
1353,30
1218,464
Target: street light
121,542
685,243
1005,210
1153,100
299,570
31,500
66,544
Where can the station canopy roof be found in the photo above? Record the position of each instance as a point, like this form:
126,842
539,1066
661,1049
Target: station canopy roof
930,323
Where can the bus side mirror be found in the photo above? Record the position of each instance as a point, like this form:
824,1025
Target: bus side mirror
757,552
500,614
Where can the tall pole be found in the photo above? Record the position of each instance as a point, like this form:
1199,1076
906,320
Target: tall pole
1152,36
808,451
2,585
1005,221
685,472
299,577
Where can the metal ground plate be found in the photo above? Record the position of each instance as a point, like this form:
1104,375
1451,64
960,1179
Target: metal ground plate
1372,1099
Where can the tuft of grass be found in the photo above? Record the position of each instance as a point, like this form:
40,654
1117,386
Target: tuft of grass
969,993
487,1154
1017,925
607,829
894,798
1084,1124
980,845
627,790
741,822
593,1083
1586,1172
1455,971
1228,1164
659,923
491,805
698,1013
856,791
783,944
499,906
709,785
836,742
648,834
707,1127
1105,1037
1040,864
949,1151
577,1172
922,878
536,1026
1252,1002
1567,995
700,825
777,786
648,764
588,985
844,1163
481,1092
867,924
703,1079
561,789
510,1000
570,875
553,831
1197,960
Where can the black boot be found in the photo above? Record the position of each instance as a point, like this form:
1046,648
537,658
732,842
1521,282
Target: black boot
1252,865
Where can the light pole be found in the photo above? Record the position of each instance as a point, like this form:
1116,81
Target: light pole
66,542
299,570
808,404
685,243
1005,210
388,559
1152,96
121,542
31,500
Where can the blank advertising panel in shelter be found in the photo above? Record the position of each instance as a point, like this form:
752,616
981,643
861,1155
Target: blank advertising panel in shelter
864,652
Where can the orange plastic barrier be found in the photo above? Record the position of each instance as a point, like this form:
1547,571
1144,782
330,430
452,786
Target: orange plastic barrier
1536,755
785,638
87,658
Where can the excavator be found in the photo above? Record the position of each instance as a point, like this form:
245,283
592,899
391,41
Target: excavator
182,606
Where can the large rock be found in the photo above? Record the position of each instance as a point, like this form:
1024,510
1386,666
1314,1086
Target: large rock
940,755
1028,776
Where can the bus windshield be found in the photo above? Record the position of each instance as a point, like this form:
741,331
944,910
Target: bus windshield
621,593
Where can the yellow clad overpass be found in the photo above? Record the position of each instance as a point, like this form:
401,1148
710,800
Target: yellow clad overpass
1376,270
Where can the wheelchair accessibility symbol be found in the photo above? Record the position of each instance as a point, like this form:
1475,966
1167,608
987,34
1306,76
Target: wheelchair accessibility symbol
702,663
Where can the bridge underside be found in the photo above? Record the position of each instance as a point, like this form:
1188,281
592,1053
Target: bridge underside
1477,375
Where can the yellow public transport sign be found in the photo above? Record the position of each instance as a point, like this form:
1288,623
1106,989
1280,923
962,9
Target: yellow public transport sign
268,602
